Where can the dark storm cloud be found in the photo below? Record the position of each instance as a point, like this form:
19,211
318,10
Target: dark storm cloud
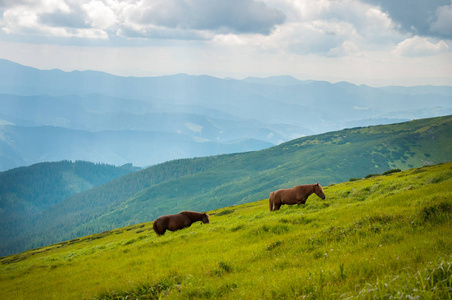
415,16
232,16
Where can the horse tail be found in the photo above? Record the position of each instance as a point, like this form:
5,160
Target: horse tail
156,229
154,226
270,200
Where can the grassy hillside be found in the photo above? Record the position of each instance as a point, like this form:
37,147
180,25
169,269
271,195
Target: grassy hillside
213,182
387,236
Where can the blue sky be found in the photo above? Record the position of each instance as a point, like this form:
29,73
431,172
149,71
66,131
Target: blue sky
374,42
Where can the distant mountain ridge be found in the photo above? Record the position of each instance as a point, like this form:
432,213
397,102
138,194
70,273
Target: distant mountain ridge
276,80
202,115
217,181
25,145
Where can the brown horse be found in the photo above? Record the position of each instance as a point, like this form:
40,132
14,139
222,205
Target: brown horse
178,221
296,195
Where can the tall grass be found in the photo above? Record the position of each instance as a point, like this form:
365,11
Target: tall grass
378,238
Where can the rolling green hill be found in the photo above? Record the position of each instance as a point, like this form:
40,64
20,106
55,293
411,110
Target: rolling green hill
388,236
213,182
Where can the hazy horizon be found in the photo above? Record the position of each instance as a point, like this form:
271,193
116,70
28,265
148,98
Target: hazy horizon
371,42
228,77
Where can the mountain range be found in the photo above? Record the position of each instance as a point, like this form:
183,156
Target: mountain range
211,182
52,115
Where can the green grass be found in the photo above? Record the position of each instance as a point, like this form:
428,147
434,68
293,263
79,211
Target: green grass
378,238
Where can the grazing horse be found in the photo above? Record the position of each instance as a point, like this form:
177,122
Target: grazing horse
296,195
178,221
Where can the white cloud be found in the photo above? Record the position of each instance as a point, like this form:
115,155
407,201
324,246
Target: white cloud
194,127
324,27
345,49
100,15
89,33
331,28
14,19
216,16
17,20
168,19
420,46
312,37
443,23
414,17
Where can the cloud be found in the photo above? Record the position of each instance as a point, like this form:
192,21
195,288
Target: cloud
99,14
164,33
342,28
217,16
420,46
443,23
333,28
420,17
174,19
65,20
328,28
11,3
313,37
47,19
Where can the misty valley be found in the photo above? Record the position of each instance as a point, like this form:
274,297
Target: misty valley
51,115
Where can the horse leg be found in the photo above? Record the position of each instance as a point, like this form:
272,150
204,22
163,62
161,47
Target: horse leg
187,223
302,200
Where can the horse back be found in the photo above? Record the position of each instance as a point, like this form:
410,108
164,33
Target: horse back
286,196
178,221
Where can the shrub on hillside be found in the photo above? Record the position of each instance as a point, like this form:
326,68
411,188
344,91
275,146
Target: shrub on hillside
371,175
392,171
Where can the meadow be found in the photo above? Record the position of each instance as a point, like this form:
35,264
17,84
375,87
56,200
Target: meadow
383,237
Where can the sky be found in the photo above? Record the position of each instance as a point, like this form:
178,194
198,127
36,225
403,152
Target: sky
373,42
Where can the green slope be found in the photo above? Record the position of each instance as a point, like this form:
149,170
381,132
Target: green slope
378,238
327,158
212,182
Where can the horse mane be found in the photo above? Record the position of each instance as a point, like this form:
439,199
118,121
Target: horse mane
191,214
303,187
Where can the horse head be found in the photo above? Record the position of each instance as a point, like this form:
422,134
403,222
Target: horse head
319,191
205,218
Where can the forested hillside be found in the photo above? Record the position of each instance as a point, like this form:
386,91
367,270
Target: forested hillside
218,181
27,192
